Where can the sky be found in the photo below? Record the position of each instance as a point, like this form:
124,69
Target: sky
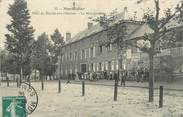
47,15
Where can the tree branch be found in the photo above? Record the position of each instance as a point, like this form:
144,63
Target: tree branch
167,20
136,46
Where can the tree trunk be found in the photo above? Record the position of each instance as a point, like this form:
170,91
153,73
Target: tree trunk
151,77
21,76
35,76
59,85
8,82
29,79
42,82
14,77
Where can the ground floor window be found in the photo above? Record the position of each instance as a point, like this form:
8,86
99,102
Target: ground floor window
100,66
91,67
83,68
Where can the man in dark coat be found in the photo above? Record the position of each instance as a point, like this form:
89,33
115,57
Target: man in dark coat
123,77
69,78
115,77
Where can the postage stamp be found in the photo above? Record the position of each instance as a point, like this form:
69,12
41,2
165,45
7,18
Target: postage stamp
22,105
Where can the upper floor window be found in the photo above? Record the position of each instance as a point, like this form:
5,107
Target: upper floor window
71,56
75,56
63,58
83,54
100,49
91,67
109,65
91,52
109,47
100,66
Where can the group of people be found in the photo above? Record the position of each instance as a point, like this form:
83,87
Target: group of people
139,75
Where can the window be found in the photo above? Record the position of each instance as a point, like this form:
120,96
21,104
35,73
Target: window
112,65
83,54
91,67
71,56
91,51
75,56
109,47
100,66
63,58
117,62
100,49
109,65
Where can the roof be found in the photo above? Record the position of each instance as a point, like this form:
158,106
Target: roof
131,26
94,29
87,32
135,28
140,31
145,29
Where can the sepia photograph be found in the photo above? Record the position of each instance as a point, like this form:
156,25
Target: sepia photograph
91,58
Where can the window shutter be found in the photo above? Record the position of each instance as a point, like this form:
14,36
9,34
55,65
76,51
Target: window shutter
89,67
106,65
85,53
66,70
70,70
112,66
97,66
103,66
89,53
94,51
110,47
94,67
81,55
61,72
117,67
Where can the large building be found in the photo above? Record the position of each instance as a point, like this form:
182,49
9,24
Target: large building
85,53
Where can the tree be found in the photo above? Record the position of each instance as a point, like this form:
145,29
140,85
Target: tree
153,41
116,33
40,57
160,30
20,37
58,42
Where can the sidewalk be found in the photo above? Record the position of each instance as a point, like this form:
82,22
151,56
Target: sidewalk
177,86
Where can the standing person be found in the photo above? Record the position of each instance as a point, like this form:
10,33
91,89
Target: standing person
115,76
69,78
142,75
123,77
110,76
82,76
138,75
77,76
146,74
105,74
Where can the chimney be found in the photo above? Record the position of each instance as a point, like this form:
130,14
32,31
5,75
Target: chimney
90,25
125,13
68,36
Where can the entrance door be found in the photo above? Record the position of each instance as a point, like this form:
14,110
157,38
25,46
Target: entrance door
83,68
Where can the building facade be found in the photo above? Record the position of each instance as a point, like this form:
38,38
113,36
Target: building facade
85,53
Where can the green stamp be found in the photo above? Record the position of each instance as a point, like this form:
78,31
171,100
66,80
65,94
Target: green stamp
14,106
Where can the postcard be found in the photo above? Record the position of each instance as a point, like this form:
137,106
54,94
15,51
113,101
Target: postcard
91,58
